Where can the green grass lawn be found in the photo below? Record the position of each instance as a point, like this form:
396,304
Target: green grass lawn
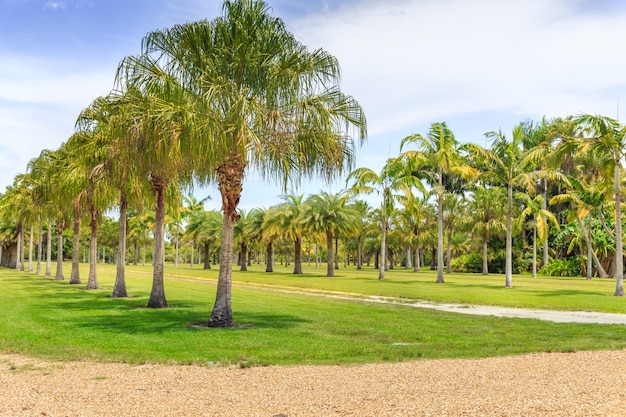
53,319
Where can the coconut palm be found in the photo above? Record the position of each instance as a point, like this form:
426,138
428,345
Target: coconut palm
437,159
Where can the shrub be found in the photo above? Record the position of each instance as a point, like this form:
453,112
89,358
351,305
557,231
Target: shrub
467,263
561,268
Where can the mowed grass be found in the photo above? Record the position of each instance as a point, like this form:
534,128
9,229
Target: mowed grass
53,319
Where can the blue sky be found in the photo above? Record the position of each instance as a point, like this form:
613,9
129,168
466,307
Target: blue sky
479,65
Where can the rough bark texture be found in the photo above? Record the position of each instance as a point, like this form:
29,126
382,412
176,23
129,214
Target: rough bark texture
222,314
157,294
230,181
383,244
75,274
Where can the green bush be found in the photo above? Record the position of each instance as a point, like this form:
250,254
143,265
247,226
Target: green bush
561,268
467,263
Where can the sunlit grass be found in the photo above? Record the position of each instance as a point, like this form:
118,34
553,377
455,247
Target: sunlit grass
53,319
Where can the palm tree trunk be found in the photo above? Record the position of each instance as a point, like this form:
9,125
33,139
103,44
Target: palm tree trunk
535,248
49,251
23,263
222,314
207,256
359,255
243,256
269,258
297,261
508,268
544,206
75,274
449,254
119,289
416,263
92,282
30,250
601,271
230,181
619,258
485,254
383,243
18,257
157,294
59,275
336,252
589,262
330,272
39,247
176,254
440,235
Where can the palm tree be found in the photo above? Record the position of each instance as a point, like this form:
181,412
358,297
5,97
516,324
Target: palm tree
253,96
584,199
385,184
507,165
329,214
243,235
437,158
604,138
488,217
541,218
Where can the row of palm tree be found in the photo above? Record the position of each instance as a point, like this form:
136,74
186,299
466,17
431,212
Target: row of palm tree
288,221
206,102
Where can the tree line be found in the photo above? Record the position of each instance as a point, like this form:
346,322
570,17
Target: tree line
205,102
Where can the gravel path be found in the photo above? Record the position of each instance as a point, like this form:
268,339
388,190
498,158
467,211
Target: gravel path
547,384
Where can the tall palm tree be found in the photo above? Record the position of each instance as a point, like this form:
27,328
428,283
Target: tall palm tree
437,158
506,164
257,98
605,138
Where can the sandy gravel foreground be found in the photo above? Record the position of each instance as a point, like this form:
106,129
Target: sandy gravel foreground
547,384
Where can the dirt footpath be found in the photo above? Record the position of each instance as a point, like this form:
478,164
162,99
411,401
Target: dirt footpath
548,384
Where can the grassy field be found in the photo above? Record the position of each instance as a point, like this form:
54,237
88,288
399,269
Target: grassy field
48,318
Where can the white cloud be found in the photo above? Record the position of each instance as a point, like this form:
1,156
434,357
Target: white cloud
414,62
56,5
